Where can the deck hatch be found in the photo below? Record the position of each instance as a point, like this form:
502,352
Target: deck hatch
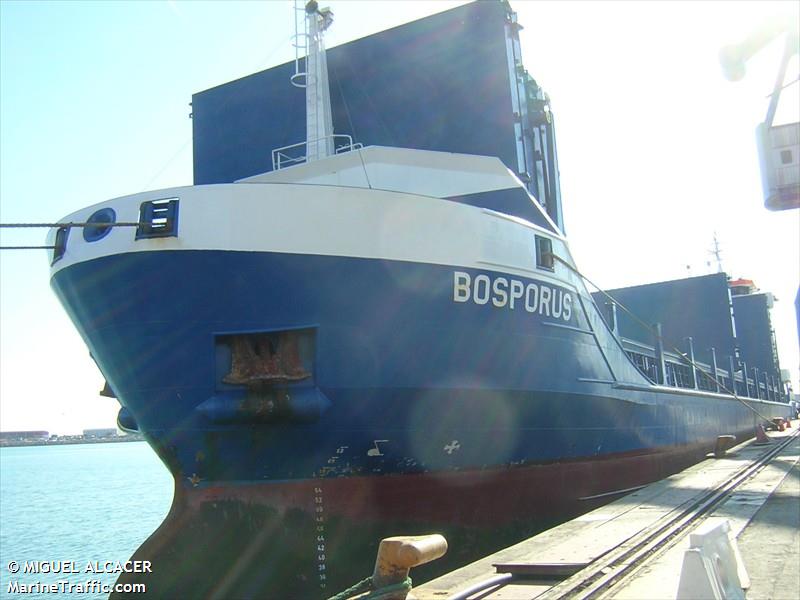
158,218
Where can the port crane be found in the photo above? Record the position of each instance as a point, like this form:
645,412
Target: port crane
778,145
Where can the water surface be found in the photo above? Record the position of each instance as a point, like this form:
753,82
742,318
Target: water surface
81,503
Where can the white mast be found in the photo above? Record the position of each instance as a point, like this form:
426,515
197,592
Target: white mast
319,124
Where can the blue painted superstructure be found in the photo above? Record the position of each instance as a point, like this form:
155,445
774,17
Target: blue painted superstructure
697,307
452,82
754,330
380,342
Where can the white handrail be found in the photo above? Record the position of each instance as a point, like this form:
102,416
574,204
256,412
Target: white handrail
281,159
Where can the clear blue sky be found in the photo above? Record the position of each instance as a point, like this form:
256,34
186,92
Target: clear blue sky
656,149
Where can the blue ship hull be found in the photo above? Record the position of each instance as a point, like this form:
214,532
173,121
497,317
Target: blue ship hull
418,413
395,360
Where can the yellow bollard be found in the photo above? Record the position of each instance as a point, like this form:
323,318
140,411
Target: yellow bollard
398,555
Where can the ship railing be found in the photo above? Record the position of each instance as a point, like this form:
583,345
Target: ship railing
285,157
679,369
678,373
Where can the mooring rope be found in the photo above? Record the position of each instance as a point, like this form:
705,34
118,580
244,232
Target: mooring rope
649,327
367,585
59,226
70,224
27,247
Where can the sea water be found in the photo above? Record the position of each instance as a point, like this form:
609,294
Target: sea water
79,509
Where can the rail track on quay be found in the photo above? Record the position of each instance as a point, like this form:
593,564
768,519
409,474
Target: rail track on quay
610,571
596,580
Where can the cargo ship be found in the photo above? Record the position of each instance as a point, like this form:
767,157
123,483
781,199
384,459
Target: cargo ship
375,333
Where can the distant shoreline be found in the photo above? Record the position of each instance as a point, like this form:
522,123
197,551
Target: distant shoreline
133,437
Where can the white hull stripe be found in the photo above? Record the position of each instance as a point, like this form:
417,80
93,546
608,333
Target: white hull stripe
328,221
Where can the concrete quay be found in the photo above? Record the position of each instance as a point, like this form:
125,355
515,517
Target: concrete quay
633,548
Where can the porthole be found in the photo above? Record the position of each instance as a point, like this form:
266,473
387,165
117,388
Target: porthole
104,219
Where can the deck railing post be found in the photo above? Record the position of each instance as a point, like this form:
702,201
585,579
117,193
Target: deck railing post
732,367
756,383
714,367
659,346
745,380
691,361
614,325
